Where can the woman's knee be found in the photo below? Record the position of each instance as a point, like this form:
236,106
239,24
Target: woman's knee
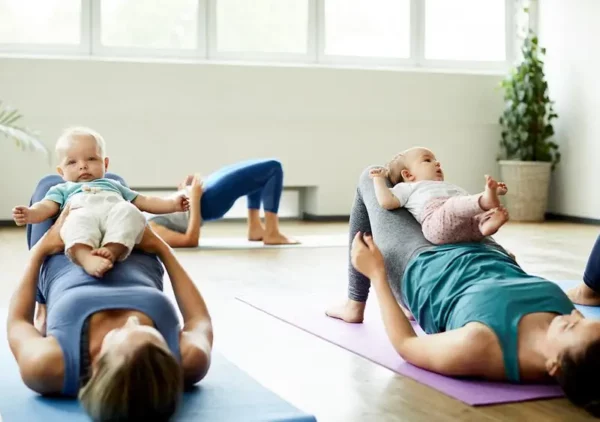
274,165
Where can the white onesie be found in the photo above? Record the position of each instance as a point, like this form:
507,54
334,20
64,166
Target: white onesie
100,213
414,195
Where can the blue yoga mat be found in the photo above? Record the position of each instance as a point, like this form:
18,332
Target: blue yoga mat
227,394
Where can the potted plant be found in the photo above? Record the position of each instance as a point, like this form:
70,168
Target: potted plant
10,129
528,153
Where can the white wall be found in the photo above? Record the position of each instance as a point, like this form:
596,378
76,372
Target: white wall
163,120
570,32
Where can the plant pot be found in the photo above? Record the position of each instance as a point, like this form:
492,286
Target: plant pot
528,184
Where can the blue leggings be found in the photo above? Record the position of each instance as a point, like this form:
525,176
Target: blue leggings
591,275
258,180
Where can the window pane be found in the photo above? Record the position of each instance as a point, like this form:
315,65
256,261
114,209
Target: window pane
262,26
40,21
465,30
375,28
150,23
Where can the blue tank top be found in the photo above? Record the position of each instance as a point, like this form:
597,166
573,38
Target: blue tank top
71,296
449,286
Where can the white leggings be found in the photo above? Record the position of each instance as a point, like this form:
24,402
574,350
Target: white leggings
96,219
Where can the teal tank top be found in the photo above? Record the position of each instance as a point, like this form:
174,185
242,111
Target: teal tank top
451,285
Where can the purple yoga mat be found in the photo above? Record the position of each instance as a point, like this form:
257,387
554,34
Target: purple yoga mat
370,341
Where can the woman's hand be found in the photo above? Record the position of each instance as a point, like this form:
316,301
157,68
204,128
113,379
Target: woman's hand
196,188
150,242
51,243
366,257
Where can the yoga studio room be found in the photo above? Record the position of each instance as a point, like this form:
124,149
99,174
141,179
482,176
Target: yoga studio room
299,211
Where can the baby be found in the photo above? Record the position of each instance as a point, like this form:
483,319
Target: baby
447,213
105,219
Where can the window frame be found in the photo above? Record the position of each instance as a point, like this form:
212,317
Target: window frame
335,59
91,47
509,44
58,49
97,49
308,57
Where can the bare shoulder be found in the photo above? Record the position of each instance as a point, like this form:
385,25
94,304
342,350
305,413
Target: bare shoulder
42,366
486,350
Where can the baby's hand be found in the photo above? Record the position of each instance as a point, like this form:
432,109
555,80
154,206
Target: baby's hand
182,203
502,189
378,172
21,215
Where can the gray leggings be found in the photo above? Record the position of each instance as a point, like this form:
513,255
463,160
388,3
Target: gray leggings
397,234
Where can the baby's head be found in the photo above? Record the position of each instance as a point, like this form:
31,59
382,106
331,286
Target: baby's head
81,154
413,165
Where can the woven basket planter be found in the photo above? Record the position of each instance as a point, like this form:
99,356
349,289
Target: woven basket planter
528,184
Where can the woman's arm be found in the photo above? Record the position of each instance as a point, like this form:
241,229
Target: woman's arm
197,334
39,358
461,352
191,237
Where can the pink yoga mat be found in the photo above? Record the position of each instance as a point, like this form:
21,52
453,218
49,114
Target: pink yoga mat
370,341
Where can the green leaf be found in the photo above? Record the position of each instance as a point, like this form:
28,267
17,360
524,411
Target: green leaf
24,138
525,120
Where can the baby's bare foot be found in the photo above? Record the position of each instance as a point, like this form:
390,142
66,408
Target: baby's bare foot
502,189
493,220
489,198
96,265
104,253
279,239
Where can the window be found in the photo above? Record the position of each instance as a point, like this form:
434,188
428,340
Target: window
150,24
473,30
262,26
40,22
419,33
367,28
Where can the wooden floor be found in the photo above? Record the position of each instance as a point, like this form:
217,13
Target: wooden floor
316,376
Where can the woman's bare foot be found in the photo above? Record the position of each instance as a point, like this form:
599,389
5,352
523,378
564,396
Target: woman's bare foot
279,239
95,265
583,295
493,220
489,199
351,311
256,233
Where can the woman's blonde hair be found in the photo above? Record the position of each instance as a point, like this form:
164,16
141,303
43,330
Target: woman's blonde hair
146,385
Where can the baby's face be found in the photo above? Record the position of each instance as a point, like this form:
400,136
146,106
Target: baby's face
423,165
82,161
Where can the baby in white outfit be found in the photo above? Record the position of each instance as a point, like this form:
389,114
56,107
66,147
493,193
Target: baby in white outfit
105,219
